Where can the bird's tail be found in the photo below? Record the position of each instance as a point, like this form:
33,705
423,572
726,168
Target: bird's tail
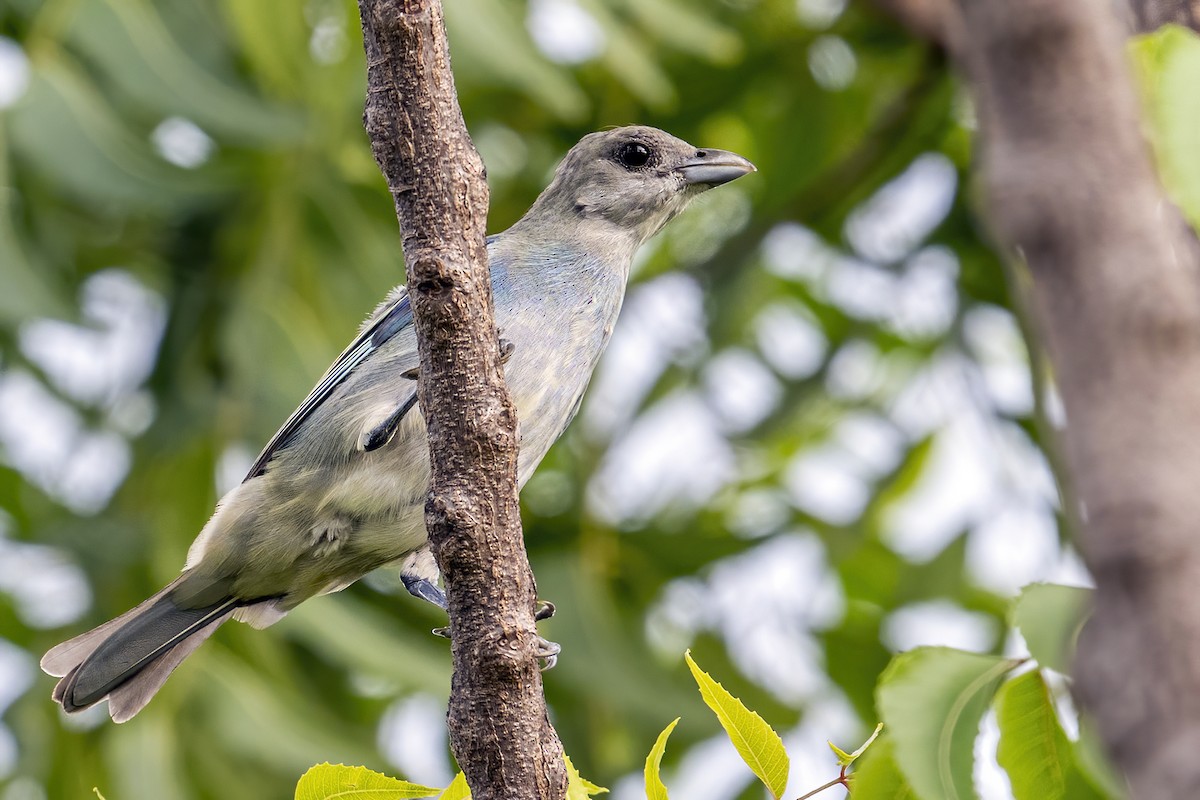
129,658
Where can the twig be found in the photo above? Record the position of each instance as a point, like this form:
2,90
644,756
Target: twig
499,728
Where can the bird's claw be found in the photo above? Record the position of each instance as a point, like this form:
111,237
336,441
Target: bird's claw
506,350
547,653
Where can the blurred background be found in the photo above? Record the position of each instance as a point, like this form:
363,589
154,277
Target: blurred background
811,444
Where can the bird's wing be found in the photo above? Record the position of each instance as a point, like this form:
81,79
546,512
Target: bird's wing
387,323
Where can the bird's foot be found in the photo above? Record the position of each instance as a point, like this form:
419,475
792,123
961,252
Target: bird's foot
425,589
506,350
547,653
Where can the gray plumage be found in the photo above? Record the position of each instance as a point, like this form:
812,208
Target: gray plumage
340,489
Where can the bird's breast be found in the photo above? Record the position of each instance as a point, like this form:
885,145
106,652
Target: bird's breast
556,347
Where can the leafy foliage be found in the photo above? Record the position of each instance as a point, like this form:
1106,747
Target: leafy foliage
758,745
1049,618
878,777
334,781
457,790
655,789
933,700
845,759
1033,749
187,186
578,787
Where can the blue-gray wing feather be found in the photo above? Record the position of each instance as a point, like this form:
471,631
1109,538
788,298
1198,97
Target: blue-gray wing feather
374,336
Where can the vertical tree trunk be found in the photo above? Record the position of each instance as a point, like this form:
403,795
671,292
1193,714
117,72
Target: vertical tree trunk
1070,191
499,728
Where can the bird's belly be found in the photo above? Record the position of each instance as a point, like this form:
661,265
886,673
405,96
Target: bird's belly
380,498
326,513
546,394
295,532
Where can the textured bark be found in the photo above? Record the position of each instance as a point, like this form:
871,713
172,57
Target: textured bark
940,22
1072,193
499,728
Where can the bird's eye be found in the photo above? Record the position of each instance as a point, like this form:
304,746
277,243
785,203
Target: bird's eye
633,154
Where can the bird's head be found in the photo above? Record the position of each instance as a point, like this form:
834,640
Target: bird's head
634,180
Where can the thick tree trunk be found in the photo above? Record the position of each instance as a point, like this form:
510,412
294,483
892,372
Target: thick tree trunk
940,22
499,728
1072,193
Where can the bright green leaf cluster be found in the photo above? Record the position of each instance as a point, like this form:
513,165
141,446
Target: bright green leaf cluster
328,781
339,782
933,700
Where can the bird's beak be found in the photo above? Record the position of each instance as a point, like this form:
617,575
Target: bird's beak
714,167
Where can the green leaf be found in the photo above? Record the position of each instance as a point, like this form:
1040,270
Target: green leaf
130,43
1033,748
1168,62
878,778
680,26
1049,617
30,288
932,700
328,781
457,790
110,165
578,787
756,742
843,757
655,788
846,759
498,45
631,60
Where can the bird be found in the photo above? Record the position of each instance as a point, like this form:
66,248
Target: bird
340,489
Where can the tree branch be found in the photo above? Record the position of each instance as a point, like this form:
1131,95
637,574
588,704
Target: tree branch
1071,190
940,21
499,728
